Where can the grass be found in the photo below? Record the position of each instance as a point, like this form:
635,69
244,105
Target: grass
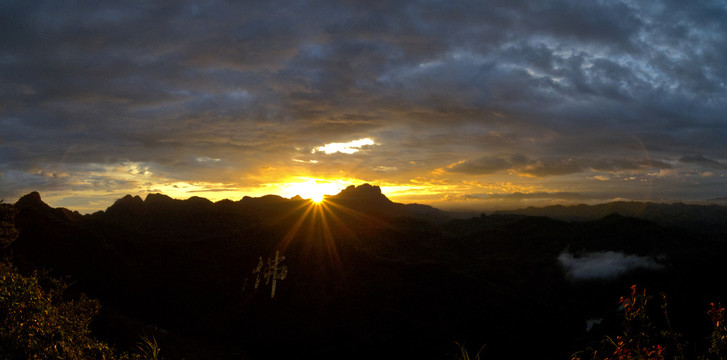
465,355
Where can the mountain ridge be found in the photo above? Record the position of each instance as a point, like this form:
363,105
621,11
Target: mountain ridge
364,275
369,199
364,198
699,217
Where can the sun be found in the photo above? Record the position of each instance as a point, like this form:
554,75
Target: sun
317,198
313,189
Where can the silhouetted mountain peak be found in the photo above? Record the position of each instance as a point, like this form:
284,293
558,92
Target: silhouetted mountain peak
197,200
126,204
263,200
33,203
128,201
31,200
364,192
157,199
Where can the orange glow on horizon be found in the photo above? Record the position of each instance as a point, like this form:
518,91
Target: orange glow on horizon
312,188
433,190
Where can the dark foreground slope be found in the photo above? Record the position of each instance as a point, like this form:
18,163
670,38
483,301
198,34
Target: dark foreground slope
359,276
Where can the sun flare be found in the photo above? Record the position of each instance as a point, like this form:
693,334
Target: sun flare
313,189
317,198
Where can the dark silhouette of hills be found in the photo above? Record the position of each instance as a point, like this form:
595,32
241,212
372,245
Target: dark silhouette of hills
365,198
369,199
365,277
704,217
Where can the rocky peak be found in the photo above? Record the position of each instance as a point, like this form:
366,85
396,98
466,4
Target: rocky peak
157,198
126,204
35,204
128,201
31,200
361,192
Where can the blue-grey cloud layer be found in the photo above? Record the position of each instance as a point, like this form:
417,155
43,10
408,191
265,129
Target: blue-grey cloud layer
558,89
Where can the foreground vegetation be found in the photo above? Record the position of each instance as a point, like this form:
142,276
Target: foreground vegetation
39,319
647,333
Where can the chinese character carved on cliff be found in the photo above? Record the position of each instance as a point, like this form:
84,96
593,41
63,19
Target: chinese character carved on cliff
271,271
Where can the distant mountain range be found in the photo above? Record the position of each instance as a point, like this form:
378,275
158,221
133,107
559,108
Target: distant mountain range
365,198
361,277
701,217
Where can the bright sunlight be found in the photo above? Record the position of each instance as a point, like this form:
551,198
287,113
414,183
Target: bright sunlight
313,189
345,148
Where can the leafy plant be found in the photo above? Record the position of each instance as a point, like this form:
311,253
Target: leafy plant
649,337
718,339
38,320
37,323
640,339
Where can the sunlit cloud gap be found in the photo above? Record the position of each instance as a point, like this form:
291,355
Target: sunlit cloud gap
345,148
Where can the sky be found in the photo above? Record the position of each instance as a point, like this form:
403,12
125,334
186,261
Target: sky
457,104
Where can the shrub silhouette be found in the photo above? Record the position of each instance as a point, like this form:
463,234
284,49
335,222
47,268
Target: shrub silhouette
38,320
8,232
37,323
648,337
718,339
640,339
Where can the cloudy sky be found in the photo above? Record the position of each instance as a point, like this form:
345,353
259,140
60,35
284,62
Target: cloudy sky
477,104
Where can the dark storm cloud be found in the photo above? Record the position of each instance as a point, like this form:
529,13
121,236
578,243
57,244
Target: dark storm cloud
703,161
518,196
615,165
574,87
519,163
484,165
551,166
